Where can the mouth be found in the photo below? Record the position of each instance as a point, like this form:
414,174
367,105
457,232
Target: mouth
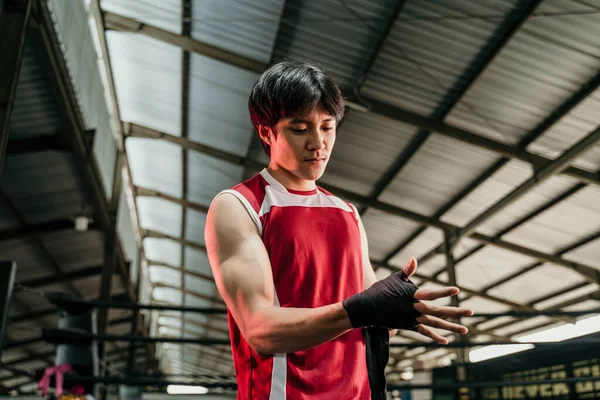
316,160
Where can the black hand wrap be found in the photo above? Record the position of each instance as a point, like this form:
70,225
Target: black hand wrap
388,303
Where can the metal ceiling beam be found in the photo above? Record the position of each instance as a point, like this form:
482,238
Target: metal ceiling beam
543,208
528,268
539,176
199,295
144,192
62,278
113,21
588,272
504,32
37,144
39,229
54,63
455,200
47,312
39,243
586,90
14,19
124,24
154,263
186,31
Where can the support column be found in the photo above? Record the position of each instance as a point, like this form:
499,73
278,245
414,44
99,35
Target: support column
14,18
8,271
449,244
83,357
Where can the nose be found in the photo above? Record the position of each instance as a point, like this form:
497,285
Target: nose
316,141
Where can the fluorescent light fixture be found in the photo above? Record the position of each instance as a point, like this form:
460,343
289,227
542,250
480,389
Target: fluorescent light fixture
556,334
184,389
488,352
407,375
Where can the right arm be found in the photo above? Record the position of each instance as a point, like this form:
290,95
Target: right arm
242,272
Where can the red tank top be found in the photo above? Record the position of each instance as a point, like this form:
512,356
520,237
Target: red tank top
314,244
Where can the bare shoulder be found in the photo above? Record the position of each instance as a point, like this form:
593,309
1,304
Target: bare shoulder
228,213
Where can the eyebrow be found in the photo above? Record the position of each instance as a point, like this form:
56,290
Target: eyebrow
303,121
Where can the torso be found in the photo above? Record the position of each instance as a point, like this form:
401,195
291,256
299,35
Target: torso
314,246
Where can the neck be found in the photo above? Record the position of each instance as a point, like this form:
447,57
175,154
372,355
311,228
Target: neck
289,180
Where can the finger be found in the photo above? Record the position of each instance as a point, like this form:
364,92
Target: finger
410,268
442,324
434,294
426,331
443,311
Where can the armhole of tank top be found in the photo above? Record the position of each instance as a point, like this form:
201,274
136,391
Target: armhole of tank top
248,207
355,211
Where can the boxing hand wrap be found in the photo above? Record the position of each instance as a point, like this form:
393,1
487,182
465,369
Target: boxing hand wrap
388,303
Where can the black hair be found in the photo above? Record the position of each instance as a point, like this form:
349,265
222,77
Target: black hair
291,89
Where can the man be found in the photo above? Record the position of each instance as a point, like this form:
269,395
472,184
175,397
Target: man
291,260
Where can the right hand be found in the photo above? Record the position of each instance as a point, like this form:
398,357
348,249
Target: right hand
395,302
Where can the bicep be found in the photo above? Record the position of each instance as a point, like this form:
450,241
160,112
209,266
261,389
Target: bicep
238,259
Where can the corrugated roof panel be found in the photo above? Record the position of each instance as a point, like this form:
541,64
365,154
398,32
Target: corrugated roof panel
519,326
533,200
164,14
168,295
44,185
582,120
494,322
90,287
488,193
207,176
202,286
350,40
195,301
128,233
432,265
578,32
163,250
147,74
365,148
489,265
385,232
73,250
590,253
567,222
423,59
527,286
34,112
242,27
164,275
430,238
197,261
538,69
572,294
160,215
8,219
31,262
155,164
218,98
194,226
437,172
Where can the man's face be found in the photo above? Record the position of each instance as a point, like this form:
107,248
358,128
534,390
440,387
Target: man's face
302,145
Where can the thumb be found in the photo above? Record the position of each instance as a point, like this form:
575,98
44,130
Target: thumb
410,268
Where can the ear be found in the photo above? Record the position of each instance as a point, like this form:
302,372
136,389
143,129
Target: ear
264,132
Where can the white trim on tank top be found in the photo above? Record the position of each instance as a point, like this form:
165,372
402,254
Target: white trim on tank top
279,372
248,207
276,195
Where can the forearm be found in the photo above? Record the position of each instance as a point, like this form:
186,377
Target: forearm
285,330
